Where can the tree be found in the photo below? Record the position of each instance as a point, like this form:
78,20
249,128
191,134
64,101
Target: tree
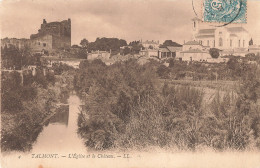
170,43
136,46
82,53
126,50
107,44
150,47
84,43
214,52
75,46
251,42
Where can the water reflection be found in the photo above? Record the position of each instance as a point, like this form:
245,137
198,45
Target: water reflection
60,134
61,117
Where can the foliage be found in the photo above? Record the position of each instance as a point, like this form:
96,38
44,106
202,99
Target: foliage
15,58
59,68
136,46
125,51
107,44
124,109
214,52
84,43
163,72
170,43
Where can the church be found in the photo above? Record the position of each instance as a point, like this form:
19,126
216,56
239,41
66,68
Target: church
230,37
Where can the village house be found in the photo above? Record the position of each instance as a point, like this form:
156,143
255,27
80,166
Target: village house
254,49
168,52
149,52
150,44
193,51
99,55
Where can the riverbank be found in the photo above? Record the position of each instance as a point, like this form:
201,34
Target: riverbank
20,130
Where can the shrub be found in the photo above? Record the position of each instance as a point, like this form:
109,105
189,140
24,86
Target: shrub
214,52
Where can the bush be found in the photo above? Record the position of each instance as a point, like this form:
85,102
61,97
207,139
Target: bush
214,52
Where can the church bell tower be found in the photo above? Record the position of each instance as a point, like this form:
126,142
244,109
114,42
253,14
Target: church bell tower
195,27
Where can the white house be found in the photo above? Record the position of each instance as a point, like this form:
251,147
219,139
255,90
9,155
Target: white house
150,44
193,51
99,55
149,52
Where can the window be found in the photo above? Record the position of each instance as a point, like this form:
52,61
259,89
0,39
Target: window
243,43
39,43
44,44
214,43
220,42
194,24
230,43
208,43
239,43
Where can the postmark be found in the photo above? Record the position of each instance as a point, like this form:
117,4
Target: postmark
225,11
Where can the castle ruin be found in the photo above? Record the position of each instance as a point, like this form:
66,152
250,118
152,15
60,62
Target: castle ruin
51,36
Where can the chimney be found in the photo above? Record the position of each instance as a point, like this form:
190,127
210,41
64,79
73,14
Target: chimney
44,21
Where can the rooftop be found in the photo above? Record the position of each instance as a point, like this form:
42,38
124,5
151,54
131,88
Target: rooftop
174,49
194,51
192,43
207,31
236,29
164,50
206,36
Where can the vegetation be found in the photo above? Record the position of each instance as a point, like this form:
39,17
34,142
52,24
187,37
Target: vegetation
125,108
84,43
214,52
170,43
27,101
14,58
106,44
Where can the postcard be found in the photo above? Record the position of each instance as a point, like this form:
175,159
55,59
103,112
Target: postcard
130,83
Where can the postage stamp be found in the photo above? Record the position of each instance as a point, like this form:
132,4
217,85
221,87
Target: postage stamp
225,11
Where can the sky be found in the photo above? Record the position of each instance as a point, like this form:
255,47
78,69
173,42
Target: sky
125,19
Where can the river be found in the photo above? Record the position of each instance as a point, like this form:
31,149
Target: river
60,133
59,136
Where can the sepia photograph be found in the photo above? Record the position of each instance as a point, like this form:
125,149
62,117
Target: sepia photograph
130,83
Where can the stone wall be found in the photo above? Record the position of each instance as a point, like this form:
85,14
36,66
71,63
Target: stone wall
42,43
60,32
19,43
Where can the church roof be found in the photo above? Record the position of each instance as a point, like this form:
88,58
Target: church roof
192,43
236,29
207,31
206,36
